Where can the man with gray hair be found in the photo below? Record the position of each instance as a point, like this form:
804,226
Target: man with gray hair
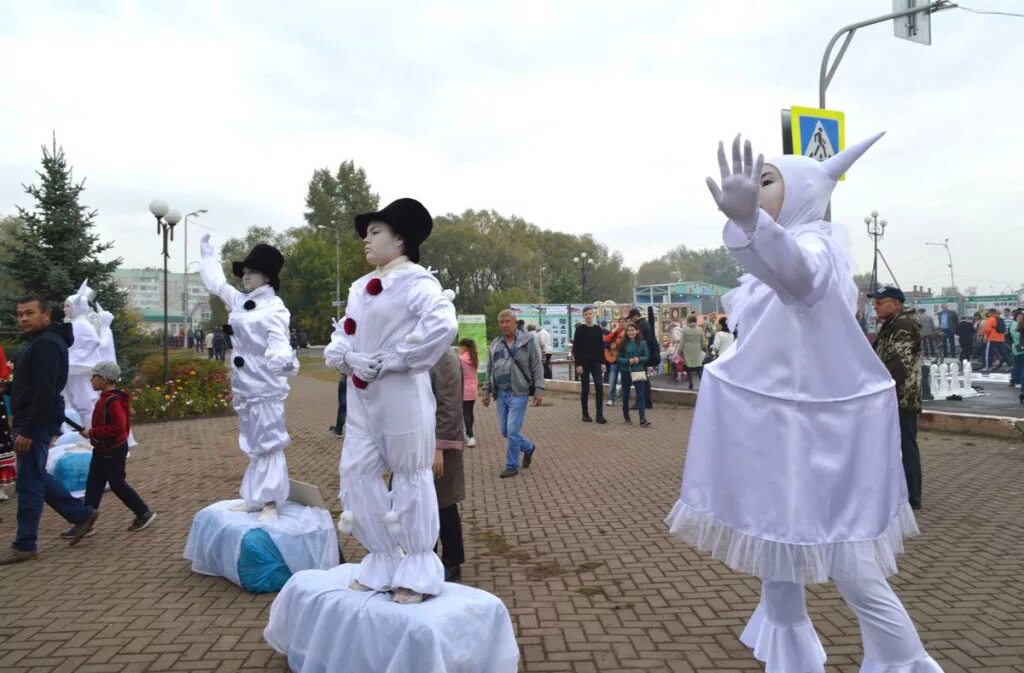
514,374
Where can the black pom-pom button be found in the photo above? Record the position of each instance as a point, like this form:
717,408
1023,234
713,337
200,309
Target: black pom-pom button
249,305
239,361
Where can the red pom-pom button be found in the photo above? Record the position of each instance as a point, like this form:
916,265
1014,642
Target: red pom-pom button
349,326
358,382
374,287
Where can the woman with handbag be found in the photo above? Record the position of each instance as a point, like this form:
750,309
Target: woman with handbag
633,357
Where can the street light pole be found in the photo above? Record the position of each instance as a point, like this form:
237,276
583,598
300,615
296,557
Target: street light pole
876,229
945,244
583,260
184,294
337,267
166,218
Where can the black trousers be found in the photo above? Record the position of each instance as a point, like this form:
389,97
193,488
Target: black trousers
911,456
547,366
108,467
467,416
453,552
339,422
592,369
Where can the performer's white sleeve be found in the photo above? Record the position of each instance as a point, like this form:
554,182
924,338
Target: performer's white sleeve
799,271
213,278
279,354
87,343
341,343
437,326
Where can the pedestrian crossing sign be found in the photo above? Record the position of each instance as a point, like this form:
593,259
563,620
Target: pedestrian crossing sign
818,134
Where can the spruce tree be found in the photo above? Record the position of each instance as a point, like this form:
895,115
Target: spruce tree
56,247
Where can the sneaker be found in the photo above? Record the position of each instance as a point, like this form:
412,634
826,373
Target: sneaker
82,529
600,420
509,472
70,533
142,521
627,421
12,556
3,495
471,442
645,423
587,418
610,403
528,458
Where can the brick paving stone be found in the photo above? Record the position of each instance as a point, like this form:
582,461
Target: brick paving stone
575,546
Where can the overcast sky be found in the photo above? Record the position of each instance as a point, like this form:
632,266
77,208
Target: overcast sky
588,116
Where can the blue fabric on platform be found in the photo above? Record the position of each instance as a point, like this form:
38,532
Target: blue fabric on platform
72,470
261,568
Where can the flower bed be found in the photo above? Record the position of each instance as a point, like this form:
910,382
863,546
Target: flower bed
195,387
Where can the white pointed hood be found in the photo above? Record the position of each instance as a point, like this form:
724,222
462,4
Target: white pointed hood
809,183
80,300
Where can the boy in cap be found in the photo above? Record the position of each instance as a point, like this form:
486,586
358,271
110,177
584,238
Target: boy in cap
111,424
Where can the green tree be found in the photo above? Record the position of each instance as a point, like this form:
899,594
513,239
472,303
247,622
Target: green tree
55,248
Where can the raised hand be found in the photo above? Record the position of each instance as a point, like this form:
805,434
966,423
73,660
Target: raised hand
741,186
205,247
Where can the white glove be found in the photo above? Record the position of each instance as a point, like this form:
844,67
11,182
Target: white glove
740,194
205,248
366,367
391,362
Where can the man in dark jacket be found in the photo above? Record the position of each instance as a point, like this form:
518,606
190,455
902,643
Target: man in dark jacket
39,376
588,356
654,352
899,348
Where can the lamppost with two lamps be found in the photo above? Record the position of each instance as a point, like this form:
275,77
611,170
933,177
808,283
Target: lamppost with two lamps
337,267
584,262
876,229
166,218
184,294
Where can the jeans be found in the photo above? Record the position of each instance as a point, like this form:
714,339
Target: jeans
911,456
950,337
613,381
591,369
1018,369
467,416
1000,348
35,486
511,414
641,395
108,467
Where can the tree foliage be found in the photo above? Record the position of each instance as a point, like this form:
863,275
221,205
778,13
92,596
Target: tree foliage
711,265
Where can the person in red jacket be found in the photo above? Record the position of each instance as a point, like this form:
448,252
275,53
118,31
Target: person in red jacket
111,423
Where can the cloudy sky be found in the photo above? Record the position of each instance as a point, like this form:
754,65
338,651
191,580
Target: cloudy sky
587,116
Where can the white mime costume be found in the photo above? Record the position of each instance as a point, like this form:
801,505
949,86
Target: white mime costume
401,316
793,469
83,354
262,363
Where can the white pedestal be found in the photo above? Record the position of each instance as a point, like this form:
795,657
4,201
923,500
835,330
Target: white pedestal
305,537
322,625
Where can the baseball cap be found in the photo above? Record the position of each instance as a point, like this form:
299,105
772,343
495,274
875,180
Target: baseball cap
108,370
889,292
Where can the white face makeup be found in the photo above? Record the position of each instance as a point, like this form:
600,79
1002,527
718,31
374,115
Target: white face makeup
253,279
773,190
382,245
69,310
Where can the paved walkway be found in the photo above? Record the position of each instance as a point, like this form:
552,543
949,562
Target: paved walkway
575,547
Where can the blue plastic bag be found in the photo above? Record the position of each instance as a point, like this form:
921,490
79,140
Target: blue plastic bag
72,470
261,568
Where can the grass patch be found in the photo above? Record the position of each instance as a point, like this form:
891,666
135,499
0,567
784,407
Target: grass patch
314,367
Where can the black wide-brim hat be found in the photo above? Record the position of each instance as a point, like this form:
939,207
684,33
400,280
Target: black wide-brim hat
408,218
264,258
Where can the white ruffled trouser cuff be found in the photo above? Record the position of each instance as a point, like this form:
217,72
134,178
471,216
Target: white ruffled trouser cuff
925,665
791,648
377,568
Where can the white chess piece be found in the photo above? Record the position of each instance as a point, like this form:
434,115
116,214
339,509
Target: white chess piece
933,379
943,380
954,377
968,375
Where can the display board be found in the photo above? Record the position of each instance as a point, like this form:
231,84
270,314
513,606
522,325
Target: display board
982,303
474,327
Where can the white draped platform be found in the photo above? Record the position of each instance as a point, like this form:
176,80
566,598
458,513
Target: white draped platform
325,627
305,537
